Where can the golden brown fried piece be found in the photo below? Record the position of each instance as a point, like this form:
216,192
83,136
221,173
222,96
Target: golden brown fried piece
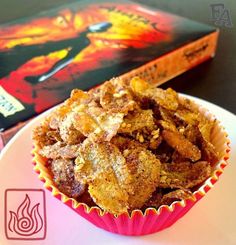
110,124
92,121
154,142
144,168
205,127
59,150
158,198
63,176
177,195
85,117
167,125
77,98
165,98
182,145
107,193
56,117
184,174
155,200
104,169
124,143
187,104
209,152
188,117
166,115
95,93
68,132
138,85
58,126
192,133
115,97
137,121
117,183
44,135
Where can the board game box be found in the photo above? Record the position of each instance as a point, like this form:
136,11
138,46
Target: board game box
81,45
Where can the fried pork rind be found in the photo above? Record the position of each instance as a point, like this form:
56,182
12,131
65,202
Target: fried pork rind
123,143
85,118
103,168
190,118
184,174
177,195
115,97
165,98
77,98
44,135
182,145
158,198
208,152
94,122
129,180
68,132
107,193
58,126
192,133
60,150
154,201
136,121
127,146
167,125
205,127
63,173
144,168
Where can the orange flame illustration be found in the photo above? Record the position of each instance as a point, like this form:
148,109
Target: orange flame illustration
26,222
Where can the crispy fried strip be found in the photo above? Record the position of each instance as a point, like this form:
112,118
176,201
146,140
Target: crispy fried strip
187,116
184,174
107,193
182,145
63,175
92,121
144,168
134,177
165,98
176,195
59,150
137,121
115,97
103,168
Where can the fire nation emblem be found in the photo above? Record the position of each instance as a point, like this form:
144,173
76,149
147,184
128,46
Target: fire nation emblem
25,214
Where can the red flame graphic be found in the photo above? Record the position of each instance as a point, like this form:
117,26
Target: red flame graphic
26,222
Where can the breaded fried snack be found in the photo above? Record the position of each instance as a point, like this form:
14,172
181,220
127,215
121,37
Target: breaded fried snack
129,157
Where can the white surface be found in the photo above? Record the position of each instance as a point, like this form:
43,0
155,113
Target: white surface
211,221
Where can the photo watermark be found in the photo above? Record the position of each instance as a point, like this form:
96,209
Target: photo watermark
220,15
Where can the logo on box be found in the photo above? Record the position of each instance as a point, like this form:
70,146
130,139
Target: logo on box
25,214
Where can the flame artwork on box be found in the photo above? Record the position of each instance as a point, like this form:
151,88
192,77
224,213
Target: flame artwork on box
44,57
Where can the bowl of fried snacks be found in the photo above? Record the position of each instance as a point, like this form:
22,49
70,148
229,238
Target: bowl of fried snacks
129,157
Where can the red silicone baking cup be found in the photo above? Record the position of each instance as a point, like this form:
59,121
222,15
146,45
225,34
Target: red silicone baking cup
152,220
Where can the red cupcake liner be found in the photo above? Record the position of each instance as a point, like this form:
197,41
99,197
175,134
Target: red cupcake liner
152,220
